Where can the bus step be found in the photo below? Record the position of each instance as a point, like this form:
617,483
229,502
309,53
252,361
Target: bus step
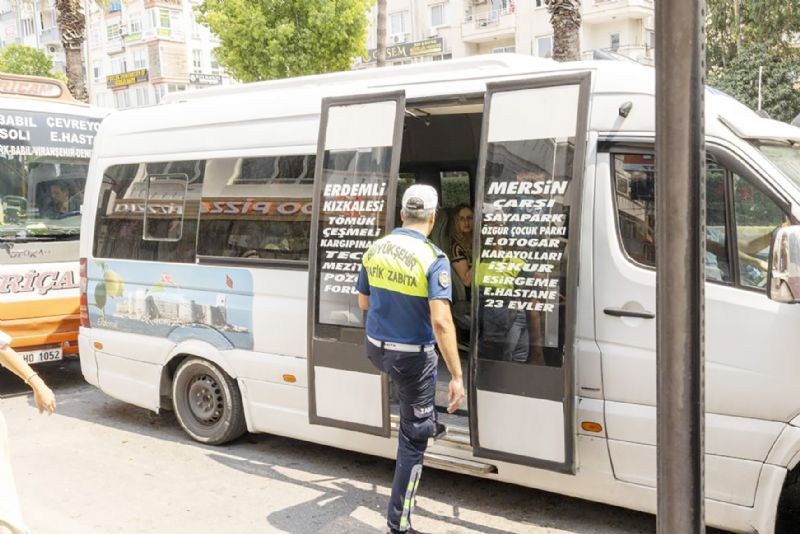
459,465
456,435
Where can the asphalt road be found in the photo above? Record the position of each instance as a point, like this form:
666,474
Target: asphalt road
102,466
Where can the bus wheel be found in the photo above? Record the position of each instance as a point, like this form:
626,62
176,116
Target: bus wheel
207,402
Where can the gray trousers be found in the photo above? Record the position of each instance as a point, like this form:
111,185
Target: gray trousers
414,375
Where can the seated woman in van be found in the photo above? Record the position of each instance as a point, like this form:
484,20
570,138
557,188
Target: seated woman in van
461,244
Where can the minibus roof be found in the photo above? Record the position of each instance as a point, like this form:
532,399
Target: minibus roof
200,121
9,103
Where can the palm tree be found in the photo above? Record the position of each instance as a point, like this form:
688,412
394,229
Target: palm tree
380,53
72,26
565,17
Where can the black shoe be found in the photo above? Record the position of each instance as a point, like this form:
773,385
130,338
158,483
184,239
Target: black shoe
440,431
409,531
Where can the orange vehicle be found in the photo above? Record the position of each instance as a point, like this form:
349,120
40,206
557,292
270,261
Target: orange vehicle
46,139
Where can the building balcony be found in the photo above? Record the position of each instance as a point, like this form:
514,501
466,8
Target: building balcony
485,26
641,53
601,11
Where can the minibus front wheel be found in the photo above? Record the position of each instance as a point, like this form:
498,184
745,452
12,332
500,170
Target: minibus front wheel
207,402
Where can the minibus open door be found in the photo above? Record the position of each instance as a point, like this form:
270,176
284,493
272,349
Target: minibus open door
358,158
525,251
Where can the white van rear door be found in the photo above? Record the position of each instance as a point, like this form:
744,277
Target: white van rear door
522,391
358,157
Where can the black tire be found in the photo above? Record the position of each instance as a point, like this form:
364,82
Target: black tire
207,402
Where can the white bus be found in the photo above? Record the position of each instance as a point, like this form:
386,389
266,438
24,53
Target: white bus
223,233
46,139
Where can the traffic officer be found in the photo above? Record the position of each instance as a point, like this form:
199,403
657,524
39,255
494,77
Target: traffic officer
405,284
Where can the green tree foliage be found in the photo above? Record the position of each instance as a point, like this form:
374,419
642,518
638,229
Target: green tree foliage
744,35
734,24
20,59
781,79
268,39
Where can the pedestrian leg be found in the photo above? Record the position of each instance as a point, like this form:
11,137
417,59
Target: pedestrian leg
414,374
10,516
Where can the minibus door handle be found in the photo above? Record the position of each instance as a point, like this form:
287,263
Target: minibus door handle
619,312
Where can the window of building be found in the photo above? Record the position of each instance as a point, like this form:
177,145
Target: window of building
195,26
438,15
95,37
122,99
142,95
614,42
97,70
173,204
119,65
175,87
113,31
151,20
544,46
27,27
197,60
651,39
135,25
399,24
257,208
441,57
164,19
504,50
540,3
49,19
140,58
159,91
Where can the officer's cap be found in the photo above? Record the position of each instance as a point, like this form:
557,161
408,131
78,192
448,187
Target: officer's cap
420,197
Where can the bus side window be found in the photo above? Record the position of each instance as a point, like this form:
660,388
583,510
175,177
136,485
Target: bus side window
757,217
120,220
165,207
257,208
635,186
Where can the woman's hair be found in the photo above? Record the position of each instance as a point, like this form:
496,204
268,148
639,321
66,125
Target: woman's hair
455,233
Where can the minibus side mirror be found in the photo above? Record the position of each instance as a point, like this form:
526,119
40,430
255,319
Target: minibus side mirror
783,276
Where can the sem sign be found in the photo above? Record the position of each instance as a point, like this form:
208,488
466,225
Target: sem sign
205,79
409,50
127,78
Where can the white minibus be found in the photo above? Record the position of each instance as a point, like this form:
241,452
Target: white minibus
223,232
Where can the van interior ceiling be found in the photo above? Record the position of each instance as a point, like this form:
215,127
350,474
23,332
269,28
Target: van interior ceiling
440,148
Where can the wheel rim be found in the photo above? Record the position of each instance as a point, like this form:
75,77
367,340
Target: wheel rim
205,398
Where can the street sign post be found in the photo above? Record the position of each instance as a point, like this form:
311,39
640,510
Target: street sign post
680,252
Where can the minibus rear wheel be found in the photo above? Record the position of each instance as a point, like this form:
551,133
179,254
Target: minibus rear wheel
207,402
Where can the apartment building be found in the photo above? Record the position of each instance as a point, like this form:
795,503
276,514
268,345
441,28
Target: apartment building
33,24
430,30
140,50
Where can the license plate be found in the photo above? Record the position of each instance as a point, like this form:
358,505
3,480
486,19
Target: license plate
43,355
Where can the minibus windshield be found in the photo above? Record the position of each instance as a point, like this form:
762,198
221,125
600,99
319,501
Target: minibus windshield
785,156
40,198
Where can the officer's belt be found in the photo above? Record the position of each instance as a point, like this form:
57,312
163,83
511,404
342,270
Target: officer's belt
400,347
